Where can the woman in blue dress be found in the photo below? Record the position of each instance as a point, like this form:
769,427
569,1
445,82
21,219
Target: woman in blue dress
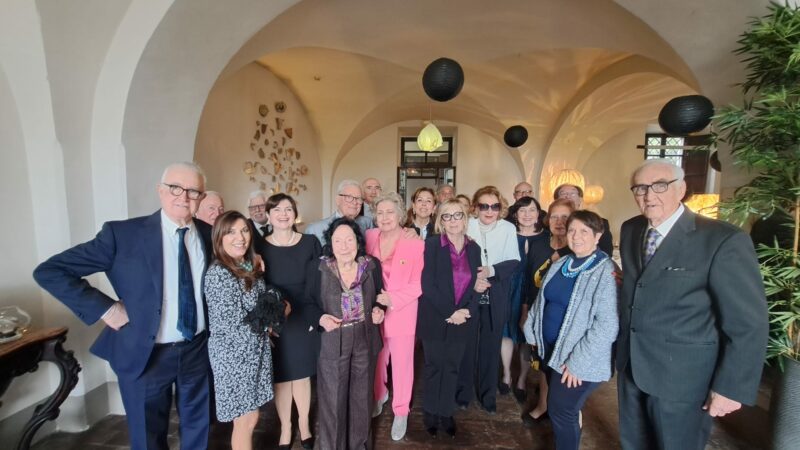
534,249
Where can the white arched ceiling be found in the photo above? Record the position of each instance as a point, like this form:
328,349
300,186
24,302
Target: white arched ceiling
200,40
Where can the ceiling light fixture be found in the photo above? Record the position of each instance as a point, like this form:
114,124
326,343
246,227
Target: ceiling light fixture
430,138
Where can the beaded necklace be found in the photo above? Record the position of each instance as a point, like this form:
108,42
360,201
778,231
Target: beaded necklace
571,272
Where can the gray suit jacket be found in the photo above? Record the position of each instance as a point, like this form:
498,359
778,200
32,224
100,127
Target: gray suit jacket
695,318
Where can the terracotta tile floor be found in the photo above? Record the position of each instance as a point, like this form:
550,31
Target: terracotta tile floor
747,429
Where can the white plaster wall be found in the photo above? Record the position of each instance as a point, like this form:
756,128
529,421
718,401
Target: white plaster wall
610,167
480,159
226,129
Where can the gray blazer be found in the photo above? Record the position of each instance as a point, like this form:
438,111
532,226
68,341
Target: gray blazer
694,318
590,324
318,228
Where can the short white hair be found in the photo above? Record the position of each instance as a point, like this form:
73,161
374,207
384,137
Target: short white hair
345,183
677,171
193,166
399,205
257,194
210,193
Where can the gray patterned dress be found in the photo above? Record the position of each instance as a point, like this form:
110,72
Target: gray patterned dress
240,360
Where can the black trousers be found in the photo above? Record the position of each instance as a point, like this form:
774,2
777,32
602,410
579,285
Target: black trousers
442,362
344,389
651,422
564,405
481,358
148,398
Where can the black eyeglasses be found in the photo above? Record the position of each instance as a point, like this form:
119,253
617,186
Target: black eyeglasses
351,198
659,187
526,193
261,207
177,191
486,206
446,217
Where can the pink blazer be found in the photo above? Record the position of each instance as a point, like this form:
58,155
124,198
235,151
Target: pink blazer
404,286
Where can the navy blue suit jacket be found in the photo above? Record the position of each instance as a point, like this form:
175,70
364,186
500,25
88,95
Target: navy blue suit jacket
130,252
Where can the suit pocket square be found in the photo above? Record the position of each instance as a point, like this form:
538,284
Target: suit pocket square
675,269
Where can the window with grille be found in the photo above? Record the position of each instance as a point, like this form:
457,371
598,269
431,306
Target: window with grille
684,152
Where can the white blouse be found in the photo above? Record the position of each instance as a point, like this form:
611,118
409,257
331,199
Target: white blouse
497,245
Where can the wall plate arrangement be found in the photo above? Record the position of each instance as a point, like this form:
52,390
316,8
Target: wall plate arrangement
276,165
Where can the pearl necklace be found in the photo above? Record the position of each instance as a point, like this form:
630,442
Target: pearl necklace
568,271
291,239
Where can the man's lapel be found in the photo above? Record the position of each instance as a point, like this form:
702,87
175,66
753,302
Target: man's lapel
153,249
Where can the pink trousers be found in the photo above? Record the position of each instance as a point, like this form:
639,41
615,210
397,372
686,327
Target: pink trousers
401,351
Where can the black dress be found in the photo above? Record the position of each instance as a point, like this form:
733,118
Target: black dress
296,350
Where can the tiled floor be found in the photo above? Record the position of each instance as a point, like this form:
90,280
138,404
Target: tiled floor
747,429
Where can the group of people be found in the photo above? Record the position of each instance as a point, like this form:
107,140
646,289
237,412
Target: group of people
475,280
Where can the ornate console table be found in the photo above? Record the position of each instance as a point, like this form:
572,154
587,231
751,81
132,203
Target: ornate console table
23,356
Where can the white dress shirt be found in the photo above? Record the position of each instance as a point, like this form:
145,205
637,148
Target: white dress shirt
168,330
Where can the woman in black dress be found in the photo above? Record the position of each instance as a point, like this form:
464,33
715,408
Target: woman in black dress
286,254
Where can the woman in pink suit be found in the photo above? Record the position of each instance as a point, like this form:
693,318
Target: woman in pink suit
401,261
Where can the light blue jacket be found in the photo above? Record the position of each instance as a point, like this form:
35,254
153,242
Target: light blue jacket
590,324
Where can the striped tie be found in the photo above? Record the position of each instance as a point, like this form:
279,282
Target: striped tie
651,244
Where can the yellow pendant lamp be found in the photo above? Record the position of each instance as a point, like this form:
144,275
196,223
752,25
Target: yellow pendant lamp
429,139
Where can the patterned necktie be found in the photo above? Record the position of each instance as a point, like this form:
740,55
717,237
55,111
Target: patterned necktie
651,244
264,230
187,308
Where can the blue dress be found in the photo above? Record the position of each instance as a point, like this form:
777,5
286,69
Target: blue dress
538,252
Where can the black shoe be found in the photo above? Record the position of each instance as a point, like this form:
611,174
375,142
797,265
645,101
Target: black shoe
503,388
490,409
308,444
449,425
529,421
520,395
285,446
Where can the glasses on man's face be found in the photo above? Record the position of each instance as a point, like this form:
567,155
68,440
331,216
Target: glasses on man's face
261,207
351,198
486,206
372,188
524,193
177,191
447,217
659,187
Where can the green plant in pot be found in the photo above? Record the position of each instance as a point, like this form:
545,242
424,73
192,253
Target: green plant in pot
763,135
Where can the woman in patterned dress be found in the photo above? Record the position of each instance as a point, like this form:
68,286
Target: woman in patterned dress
240,359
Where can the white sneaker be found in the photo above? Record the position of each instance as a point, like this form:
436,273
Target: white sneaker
399,427
379,405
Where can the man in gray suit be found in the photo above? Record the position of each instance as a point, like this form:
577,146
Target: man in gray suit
693,318
348,204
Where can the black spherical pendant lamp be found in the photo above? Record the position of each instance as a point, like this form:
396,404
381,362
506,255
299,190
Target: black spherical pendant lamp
713,161
515,136
443,79
686,114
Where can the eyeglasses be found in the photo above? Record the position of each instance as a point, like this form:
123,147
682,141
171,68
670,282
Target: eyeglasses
659,187
446,217
261,207
372,188
486,206
528,193
177,191
351,198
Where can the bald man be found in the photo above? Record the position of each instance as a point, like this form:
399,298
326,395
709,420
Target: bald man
371,188
210,207
523,189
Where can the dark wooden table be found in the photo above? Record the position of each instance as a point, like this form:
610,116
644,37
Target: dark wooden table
24,355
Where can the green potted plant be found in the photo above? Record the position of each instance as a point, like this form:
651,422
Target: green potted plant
763,135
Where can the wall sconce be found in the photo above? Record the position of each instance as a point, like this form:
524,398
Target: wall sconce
567,176
704,204
593,194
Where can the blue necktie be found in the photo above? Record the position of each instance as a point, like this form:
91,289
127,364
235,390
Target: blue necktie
651,244
187,308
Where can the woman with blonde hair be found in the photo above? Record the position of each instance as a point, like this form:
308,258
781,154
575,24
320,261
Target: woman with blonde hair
401,261
448,302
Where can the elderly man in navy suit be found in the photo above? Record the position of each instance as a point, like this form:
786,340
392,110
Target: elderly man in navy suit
693,318
155,335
